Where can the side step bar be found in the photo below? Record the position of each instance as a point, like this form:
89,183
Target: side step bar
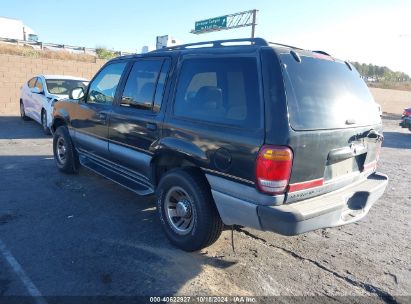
117,174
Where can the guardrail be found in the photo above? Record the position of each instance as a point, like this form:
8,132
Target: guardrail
55,46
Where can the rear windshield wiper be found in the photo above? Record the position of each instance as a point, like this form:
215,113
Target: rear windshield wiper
372,134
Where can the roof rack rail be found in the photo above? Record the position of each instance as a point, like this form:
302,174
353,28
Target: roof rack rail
216,43
321,52
286,45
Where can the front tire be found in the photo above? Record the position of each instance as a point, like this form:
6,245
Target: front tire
23,111
65,155
187,211
44,122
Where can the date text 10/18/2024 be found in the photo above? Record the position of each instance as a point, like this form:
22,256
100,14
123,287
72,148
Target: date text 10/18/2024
203,299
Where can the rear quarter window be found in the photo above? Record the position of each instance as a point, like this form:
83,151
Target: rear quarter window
219,90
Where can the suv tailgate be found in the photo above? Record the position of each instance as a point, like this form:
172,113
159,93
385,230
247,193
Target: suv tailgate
336,130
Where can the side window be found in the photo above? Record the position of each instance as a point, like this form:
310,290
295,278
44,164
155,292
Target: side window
32,82
39,84
219,90
141,84
103,88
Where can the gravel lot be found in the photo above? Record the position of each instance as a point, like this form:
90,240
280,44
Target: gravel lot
83,235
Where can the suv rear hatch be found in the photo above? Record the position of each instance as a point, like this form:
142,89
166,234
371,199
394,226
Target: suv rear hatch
335,130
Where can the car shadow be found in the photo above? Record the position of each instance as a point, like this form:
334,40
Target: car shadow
84,235
13,127
397,140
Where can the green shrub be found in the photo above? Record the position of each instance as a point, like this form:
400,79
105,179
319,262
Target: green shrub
104,53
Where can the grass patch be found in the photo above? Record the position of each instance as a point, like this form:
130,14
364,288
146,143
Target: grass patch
28,51
401,86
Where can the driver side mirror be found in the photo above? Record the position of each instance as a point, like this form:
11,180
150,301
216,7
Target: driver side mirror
36,90
77,93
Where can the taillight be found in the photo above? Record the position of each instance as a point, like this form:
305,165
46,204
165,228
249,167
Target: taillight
406,113
273,169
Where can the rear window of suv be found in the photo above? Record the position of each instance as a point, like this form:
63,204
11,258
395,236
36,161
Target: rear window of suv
326,94
219,90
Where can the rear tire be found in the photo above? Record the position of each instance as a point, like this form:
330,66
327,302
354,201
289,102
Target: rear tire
23,112
65,156
44,122
187,210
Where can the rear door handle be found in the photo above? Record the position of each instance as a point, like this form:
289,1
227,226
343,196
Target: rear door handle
151,126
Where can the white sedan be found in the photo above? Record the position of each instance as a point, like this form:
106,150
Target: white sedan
39,94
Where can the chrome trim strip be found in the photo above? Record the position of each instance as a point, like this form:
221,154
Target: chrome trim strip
82,132
119,143
228,175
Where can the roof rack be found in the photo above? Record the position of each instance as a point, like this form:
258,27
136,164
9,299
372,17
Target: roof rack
321,52
217,43
286,45
297,48
232,42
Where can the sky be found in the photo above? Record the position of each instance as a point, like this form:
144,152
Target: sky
368,31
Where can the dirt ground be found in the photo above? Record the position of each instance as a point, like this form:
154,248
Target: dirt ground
82,235
392,101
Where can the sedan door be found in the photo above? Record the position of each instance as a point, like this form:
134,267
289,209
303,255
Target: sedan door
27,96
90,120
38,100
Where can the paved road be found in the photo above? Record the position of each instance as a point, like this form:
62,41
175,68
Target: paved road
84,235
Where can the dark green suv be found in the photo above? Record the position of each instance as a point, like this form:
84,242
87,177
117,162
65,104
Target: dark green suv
241,132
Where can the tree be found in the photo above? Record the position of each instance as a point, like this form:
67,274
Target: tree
104,53
381,73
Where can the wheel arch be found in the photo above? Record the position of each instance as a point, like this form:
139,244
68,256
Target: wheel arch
171,152
58,121
165,160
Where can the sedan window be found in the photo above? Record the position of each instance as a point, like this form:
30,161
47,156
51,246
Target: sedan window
64,86
32,82
39,84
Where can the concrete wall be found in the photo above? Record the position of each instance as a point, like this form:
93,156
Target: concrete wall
15,70
392,101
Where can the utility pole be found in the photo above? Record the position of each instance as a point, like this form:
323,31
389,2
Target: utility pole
253,23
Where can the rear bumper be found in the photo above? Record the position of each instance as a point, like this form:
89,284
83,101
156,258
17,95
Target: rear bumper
344,206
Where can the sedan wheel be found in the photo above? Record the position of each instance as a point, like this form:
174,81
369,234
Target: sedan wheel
44,122
23,112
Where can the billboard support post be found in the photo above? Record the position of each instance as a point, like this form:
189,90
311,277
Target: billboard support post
254,23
